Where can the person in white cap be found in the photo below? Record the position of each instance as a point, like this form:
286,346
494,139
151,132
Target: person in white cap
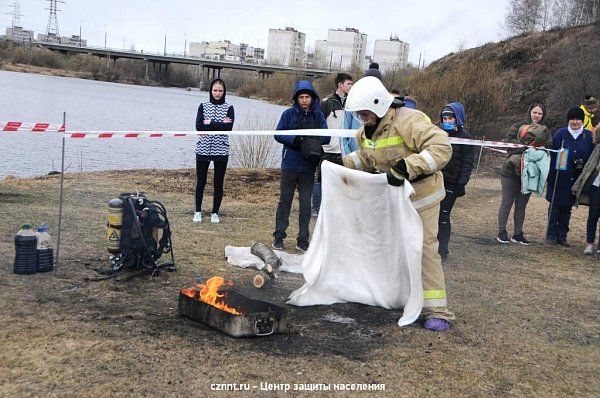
404,144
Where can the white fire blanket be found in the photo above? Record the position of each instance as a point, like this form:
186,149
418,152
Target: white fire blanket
242,257
366,246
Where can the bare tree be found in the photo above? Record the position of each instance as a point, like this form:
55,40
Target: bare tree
545,13
560,14
255,151
523,15
585,11
566,13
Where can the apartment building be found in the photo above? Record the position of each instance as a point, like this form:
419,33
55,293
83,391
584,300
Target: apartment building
390,54
252,54
197,49
221,50
17,33
286,47
342,49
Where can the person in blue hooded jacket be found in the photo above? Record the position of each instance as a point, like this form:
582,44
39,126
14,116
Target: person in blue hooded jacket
296,171
456,172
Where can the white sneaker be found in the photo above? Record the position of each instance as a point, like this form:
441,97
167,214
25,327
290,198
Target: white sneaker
214,218
198,216
589,248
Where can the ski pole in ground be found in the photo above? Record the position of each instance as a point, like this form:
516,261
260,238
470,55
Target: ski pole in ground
62,180
556,166
477,168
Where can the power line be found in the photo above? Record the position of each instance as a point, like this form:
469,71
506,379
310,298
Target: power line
16,14
52,28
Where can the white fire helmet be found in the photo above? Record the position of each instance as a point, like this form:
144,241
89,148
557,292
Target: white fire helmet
369,94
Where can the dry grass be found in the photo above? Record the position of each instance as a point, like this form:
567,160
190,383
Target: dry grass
527,317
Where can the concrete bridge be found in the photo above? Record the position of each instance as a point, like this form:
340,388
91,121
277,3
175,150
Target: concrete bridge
163,61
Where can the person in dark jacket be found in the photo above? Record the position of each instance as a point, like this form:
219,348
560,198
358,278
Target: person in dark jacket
456,173
530,132
296,171
578,146
374,71
214,115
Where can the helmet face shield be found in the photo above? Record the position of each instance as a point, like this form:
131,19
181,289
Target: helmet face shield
357,117
369,94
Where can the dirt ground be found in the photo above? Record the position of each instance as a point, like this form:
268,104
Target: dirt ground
527,317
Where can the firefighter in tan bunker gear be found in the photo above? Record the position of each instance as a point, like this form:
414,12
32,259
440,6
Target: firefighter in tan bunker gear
404,144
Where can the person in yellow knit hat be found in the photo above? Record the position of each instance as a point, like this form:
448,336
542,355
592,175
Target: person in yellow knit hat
589,107
405,145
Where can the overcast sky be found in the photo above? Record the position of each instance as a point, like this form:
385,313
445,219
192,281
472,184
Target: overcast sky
431,27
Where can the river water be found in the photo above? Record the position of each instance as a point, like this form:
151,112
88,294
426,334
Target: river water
94,105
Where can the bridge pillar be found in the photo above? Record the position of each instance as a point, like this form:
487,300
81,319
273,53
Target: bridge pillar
147,63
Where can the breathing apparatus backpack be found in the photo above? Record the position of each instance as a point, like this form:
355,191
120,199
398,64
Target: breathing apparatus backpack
138,233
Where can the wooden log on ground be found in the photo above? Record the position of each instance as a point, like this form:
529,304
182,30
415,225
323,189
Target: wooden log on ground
264,252
272,263
260,280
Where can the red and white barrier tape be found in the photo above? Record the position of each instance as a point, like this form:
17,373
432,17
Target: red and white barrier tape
42,127
326,133
34,127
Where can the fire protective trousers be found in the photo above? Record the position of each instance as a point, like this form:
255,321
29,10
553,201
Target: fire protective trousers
435,303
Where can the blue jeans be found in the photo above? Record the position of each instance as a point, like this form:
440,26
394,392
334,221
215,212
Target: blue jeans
316,197
594,214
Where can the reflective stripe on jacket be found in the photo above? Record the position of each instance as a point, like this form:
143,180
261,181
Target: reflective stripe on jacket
407,134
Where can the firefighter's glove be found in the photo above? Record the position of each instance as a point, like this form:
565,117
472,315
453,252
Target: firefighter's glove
330,157
333,158
397,174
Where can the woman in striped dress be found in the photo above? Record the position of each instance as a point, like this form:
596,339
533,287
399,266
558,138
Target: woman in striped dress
214,115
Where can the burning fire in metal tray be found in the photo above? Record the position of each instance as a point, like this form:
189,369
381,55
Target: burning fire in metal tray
231,312
209,293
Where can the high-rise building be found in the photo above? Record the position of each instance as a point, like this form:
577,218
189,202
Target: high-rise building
286,47
17,33
343,49
390,54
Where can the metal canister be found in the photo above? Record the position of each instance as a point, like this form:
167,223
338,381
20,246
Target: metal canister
113,225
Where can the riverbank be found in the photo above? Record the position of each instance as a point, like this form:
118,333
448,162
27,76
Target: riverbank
24,68
526,320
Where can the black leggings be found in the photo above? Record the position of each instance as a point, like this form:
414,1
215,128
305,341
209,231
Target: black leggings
201,173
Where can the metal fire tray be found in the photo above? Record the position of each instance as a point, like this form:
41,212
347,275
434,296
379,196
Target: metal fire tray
257,318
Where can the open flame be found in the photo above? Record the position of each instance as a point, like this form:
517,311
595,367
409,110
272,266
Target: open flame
209,293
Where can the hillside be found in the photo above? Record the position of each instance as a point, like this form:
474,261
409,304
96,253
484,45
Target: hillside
498,81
